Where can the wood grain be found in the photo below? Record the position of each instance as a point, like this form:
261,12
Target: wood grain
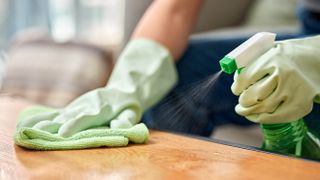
166,156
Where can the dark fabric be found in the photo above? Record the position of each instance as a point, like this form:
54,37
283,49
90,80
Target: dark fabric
309,20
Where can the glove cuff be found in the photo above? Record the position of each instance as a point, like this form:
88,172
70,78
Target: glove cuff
146,69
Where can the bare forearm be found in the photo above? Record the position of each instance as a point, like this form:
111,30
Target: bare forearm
170,23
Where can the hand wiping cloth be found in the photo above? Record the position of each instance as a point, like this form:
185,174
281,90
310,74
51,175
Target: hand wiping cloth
33,138
107,116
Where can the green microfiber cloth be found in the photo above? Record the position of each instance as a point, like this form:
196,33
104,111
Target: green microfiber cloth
32,138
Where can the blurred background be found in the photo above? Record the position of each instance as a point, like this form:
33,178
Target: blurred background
56,50
109,23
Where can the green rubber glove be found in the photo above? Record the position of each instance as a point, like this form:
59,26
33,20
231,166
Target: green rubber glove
144,73
282,84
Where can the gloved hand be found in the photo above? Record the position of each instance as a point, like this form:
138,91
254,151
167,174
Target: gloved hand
282,84
144,73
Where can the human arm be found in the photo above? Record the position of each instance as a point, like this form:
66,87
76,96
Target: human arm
169,22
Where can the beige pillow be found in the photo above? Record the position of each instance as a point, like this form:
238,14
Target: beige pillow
51,73
273,13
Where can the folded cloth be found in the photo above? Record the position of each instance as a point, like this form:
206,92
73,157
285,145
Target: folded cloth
32,138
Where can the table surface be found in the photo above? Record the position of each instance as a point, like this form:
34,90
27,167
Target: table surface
165,156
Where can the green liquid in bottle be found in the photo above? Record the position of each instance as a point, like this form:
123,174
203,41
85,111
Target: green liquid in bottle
291,139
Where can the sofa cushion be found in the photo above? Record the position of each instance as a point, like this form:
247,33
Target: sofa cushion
53,73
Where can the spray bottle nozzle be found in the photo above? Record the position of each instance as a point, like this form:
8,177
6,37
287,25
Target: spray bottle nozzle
247,52
228,65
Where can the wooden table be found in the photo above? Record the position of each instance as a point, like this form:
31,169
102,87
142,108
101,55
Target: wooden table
165,156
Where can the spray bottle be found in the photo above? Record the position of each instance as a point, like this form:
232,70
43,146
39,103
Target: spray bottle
286,138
